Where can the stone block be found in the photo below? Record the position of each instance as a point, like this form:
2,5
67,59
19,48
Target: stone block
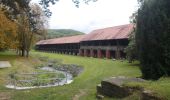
114,86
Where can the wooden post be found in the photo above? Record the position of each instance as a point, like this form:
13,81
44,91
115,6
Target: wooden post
99,53
91,53
108,54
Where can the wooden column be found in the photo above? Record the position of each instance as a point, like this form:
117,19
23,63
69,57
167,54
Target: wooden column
99,53
108,56
91,53
81,52
117,54
85,53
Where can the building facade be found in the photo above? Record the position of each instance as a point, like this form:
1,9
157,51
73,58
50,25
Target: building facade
102,43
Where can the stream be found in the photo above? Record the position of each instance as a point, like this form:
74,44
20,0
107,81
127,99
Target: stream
67,80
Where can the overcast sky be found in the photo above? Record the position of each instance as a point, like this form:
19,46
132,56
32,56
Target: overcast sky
101,14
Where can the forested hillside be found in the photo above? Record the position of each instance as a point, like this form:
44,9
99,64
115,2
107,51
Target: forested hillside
54,33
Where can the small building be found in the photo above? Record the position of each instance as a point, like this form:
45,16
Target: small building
101,43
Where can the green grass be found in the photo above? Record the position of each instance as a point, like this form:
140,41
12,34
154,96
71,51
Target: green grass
94,71
160,88
84,85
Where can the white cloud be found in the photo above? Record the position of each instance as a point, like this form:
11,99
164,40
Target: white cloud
103,13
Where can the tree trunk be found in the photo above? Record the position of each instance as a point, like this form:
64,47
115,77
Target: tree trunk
22,52
27,53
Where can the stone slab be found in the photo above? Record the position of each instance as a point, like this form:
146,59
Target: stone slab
120,80
5,64
114,86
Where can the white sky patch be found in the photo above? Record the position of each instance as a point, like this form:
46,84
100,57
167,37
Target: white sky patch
100,14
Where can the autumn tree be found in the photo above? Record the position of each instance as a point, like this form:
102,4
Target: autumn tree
8,33
29,21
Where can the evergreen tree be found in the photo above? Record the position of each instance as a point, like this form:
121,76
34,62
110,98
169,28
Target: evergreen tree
131,49
153,38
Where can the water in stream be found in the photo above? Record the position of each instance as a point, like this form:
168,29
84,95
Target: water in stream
67,80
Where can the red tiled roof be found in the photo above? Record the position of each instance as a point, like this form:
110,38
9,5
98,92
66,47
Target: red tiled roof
62,40
117,32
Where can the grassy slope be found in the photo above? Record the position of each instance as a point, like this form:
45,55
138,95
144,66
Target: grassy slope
85,84
54,33
94,71
160,88
19,64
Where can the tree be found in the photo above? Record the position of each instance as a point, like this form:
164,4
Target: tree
26,32
13,5
153,38
8,33
41,21
30,20
24,35
131,49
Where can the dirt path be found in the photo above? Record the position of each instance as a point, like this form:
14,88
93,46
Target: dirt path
4,96
81,93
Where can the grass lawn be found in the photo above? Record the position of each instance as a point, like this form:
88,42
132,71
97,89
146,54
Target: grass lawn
83,86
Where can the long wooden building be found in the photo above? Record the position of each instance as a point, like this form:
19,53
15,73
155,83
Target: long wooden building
101,43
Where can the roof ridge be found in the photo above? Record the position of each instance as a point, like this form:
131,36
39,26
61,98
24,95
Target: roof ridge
113,26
